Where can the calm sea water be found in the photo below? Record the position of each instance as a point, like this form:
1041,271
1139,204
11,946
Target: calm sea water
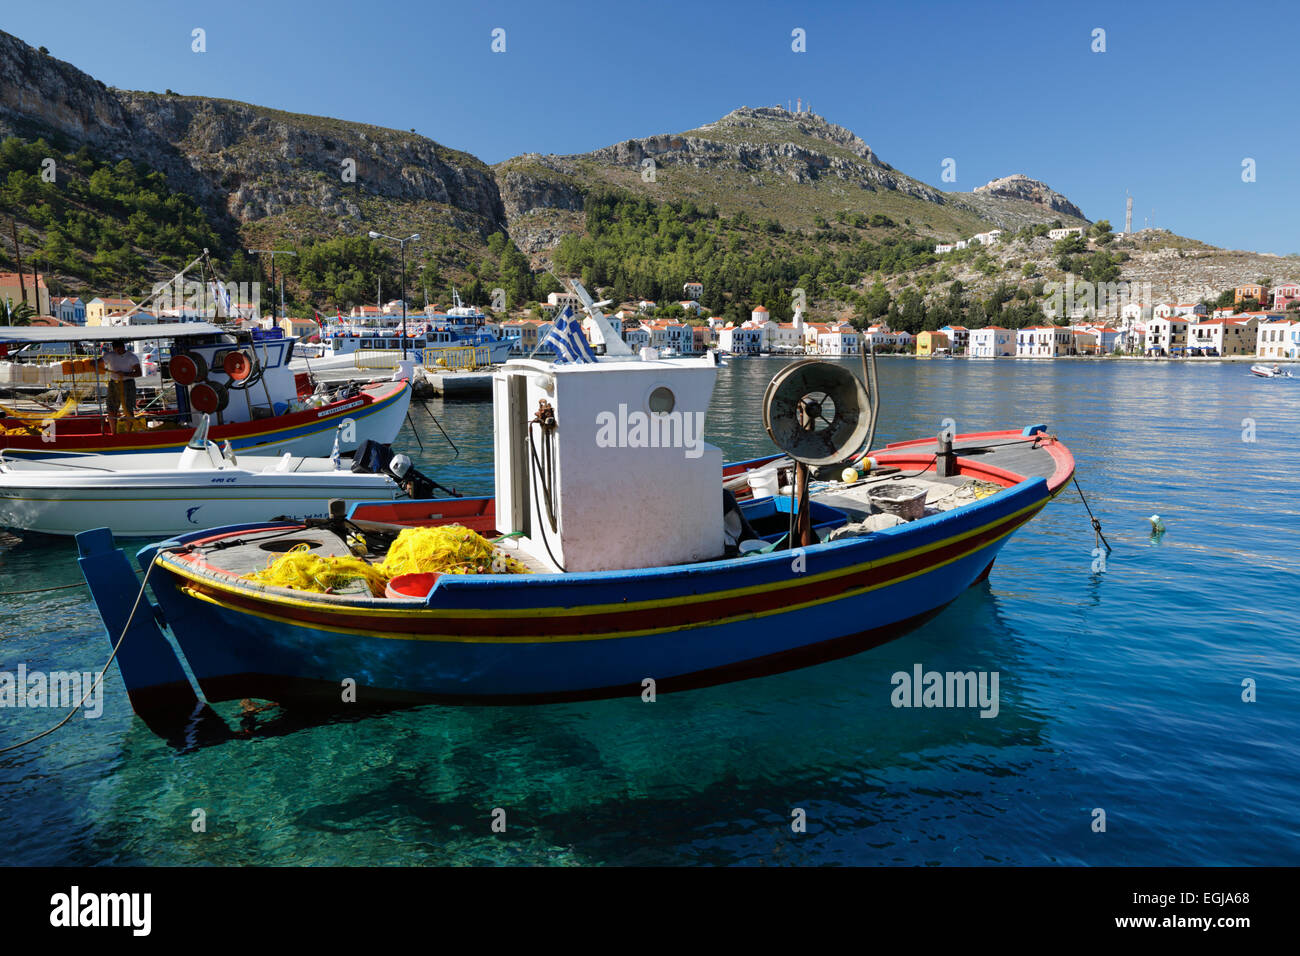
1120,690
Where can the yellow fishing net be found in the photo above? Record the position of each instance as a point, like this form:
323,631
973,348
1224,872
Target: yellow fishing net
40,415
30,422
301,570
451,549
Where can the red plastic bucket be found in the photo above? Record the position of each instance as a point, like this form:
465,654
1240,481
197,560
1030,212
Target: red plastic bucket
416,585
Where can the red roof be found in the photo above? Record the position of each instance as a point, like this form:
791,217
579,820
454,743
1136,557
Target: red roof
11,278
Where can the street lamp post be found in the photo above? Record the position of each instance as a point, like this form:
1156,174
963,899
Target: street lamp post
275,316
402,244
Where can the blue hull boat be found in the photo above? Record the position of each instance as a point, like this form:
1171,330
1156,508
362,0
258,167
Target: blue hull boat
556,636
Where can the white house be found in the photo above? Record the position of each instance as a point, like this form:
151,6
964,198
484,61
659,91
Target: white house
785,337
1167,310
989,238
1136,312
958,336
1055,234
670,335
1279,338
943,247
1043,341
741,339
880,336
693,290
636,337
992,342
1166,333
841,339
555,301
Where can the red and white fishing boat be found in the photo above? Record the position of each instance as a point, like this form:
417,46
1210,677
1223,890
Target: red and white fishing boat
243,381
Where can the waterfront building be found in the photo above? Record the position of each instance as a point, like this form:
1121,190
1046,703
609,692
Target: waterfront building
1165,334
1278,338
1223,336
70,311
839,339
992,342
927,343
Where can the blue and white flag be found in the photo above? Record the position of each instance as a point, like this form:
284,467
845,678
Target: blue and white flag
566,338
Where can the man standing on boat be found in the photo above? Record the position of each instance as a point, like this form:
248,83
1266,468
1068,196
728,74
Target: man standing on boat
123,368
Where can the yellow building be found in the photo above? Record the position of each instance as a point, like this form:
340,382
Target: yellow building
33,291
299,328
928,342
97,308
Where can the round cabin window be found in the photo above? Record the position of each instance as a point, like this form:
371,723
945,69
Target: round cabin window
662,400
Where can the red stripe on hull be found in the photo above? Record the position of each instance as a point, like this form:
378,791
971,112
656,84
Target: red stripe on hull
682,615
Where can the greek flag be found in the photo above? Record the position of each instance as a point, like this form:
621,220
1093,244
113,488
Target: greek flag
567,340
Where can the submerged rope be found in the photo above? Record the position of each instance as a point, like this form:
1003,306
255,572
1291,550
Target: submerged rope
98,679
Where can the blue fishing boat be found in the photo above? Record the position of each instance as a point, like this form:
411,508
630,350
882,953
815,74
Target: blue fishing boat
728,583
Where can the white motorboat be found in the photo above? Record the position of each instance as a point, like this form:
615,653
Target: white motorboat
158,494
1270,371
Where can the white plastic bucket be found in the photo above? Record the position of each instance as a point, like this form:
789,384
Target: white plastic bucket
765,484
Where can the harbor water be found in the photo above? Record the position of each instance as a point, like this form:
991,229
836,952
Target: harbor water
1148,699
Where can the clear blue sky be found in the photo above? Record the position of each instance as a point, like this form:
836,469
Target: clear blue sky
1183,93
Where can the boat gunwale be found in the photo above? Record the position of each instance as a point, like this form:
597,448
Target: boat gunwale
188,565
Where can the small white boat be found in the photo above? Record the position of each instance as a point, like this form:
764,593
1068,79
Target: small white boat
1270,371
158,494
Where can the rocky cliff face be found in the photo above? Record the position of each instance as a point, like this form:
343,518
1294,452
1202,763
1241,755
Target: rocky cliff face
1023,188
42,96
246,163
268,163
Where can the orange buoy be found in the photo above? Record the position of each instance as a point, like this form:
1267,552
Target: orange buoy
68,368
188,368
237,365
209,397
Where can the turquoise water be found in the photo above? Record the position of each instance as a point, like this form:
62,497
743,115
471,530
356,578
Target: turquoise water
1120,690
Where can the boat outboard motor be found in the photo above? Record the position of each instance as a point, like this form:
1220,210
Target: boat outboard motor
415,483
372,458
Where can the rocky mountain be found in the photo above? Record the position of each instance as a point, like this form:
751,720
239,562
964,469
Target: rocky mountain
248,165
264,176
796,168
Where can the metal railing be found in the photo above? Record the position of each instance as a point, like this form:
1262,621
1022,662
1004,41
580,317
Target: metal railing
457,357
379,358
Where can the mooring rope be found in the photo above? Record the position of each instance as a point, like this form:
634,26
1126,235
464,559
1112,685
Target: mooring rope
57,587
1096,525
99,679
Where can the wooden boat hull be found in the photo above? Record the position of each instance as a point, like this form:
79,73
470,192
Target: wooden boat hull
494,639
